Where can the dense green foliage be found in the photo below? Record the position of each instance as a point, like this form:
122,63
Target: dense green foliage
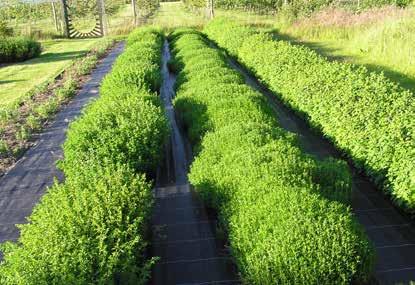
147,7
286,213
27,115
126,96
295,7
5,30
366,115
13,49
92,228
18,10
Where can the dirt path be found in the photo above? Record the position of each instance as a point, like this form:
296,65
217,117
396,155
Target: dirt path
392,233
24,184
184,237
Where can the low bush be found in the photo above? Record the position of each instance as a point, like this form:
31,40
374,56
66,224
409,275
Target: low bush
92,228
5,30
89,230
137,71
367,116
286,213
28,114
14,49
124,128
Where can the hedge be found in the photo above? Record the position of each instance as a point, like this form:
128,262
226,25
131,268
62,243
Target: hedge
286,214
366,115
92,229
14,49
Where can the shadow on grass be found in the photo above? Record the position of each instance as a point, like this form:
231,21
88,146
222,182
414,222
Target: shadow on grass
48,57
58,56
397,77
9,81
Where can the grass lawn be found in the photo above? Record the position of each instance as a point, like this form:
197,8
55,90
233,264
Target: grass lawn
384,45
397,66
17,79
173,14
248,18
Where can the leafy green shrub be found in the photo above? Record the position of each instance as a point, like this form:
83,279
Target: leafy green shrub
18,49
86,231
5,31
22,133
101,47
367,116
118,130
33,122
296,8
92,229
146,34
67,90
279,206
48,108
135,70
4,148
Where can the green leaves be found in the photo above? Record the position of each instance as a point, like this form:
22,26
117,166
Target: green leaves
83,232
285,213
367,116
92,228
14,49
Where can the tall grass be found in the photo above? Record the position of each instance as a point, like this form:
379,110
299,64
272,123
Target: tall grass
382,38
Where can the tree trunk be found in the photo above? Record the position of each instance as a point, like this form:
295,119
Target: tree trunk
65,19
133,3
210,9
55,17
102,17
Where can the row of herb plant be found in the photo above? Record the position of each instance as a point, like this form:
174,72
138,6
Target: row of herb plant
366,115
27,116
286,214
92,229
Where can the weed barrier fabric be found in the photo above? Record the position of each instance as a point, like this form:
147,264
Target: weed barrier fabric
286,214
37,169
183,233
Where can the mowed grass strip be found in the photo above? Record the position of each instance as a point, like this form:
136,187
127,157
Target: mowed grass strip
174,14
18,79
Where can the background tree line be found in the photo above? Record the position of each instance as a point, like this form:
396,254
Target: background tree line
296,7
